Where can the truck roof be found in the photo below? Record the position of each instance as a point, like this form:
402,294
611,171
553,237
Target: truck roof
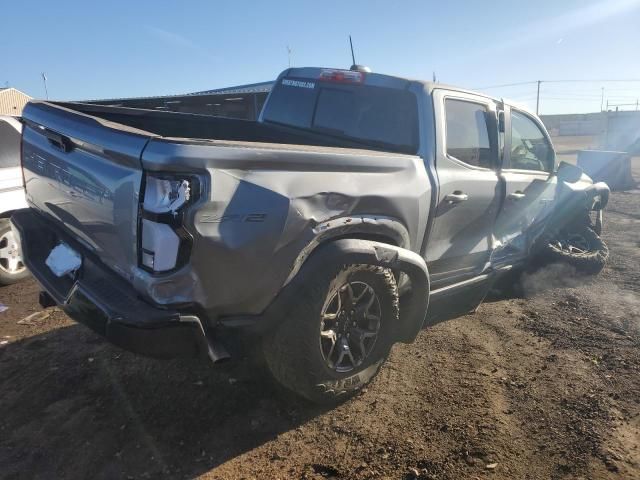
393,81
375,79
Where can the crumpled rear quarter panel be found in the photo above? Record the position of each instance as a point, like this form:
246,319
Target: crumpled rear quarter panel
264,207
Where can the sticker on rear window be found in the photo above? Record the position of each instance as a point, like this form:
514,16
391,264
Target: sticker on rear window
298,83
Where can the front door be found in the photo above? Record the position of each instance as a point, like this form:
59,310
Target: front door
529,183
469,196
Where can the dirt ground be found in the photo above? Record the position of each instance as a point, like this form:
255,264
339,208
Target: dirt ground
545,386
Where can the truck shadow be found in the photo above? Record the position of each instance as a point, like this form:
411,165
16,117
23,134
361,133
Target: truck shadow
76,407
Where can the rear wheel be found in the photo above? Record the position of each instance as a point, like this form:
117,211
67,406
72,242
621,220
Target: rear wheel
580,247
12,269
337,335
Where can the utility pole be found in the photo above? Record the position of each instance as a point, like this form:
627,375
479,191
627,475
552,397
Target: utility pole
289,54
538,98
602,100
44,79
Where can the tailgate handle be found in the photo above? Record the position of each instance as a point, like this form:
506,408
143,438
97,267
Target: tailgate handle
61,142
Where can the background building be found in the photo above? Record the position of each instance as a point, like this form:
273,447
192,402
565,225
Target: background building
243,101
609,130
12,101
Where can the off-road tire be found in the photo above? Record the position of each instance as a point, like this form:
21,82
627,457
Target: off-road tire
6,277
292,351
589,262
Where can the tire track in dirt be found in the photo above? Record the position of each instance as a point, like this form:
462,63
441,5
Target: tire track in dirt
495,339
602,373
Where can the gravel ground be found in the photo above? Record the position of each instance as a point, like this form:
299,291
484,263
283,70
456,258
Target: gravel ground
545,386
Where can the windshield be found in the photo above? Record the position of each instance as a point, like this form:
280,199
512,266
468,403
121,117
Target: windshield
375,116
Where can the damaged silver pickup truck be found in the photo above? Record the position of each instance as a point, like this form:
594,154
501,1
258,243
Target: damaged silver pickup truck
359,209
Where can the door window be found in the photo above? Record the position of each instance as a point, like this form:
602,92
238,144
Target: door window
467,134
530,149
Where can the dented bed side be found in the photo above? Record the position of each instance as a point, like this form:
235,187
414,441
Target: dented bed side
262,211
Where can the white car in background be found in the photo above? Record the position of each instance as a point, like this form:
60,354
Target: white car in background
12,197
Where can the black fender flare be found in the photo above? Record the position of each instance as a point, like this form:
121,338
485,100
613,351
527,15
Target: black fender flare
413,306
386,230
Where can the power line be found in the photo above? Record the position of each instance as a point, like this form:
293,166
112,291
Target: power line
505,85
532,82
566,99
540,82
628,89
572,96
592,81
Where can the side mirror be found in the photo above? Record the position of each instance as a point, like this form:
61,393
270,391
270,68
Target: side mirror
568,173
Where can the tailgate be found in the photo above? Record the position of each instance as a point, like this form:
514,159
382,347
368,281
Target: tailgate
85,173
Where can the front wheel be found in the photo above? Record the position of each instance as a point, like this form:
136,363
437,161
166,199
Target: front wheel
338,333
12,269
580,247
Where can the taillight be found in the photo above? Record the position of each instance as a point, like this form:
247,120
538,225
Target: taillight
341,76
162,195
164,243
160,246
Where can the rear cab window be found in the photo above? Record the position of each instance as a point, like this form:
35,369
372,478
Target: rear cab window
376,117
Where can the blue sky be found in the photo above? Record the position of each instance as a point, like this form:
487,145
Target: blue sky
140,48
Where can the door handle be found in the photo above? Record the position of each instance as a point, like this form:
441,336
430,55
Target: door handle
456,197
517,195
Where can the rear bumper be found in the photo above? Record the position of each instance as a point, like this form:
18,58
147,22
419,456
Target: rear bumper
100,299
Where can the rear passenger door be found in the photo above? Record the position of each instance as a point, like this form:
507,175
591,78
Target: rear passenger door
469,195
528,164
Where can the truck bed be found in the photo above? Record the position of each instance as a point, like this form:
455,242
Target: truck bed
85,165
207,127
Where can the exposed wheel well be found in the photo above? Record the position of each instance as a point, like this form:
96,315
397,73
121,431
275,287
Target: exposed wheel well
369,236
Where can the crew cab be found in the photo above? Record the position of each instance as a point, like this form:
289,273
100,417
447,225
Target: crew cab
359,209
